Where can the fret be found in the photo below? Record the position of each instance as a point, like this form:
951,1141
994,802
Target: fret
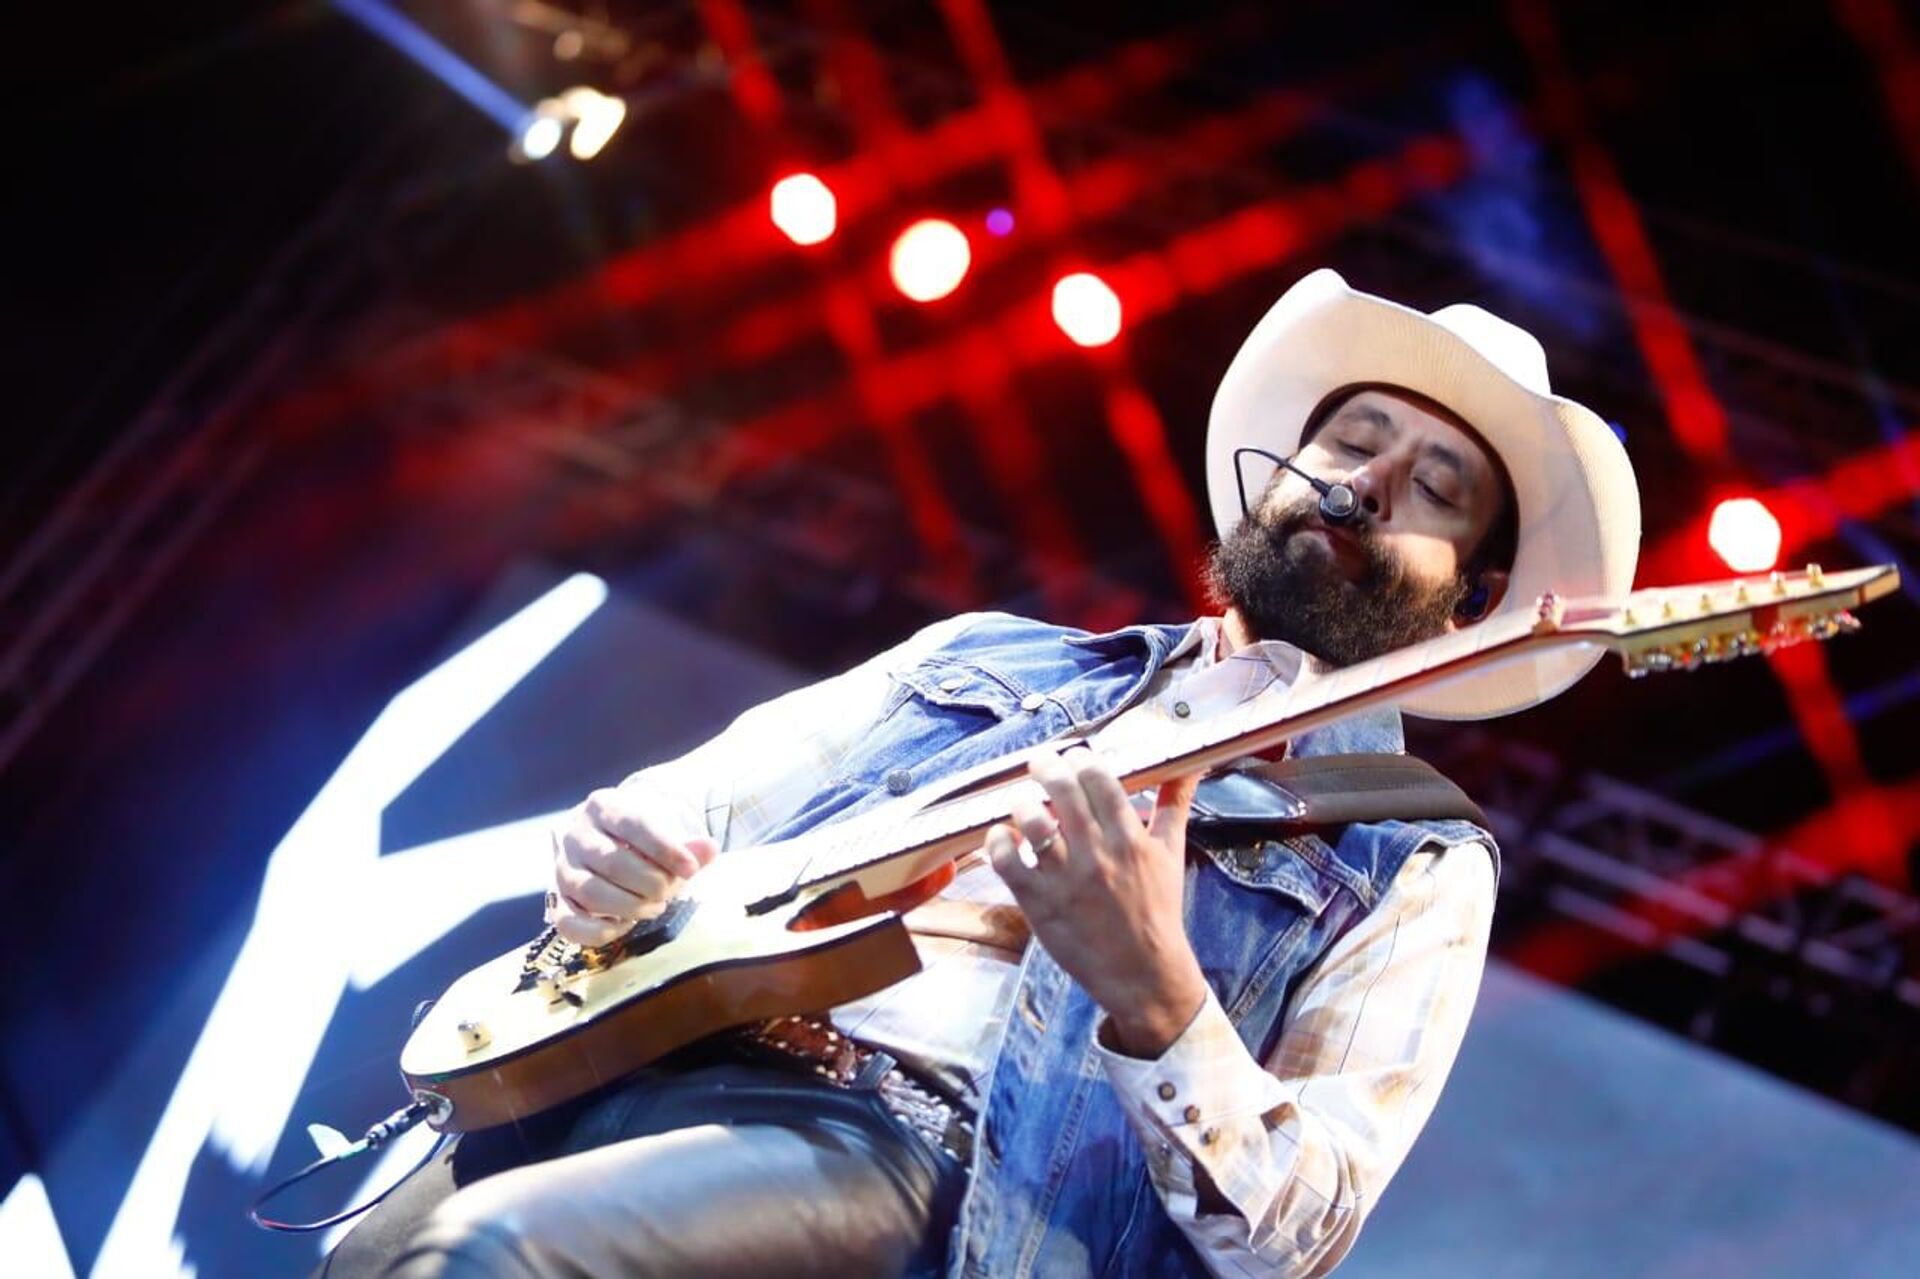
1415,659
930,826
1484,639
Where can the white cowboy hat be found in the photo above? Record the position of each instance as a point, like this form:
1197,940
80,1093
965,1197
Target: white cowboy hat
1579,507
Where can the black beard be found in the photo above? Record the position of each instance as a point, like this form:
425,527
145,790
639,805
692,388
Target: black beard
1285,589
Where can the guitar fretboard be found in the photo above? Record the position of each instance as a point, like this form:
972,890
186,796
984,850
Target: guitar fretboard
1260,722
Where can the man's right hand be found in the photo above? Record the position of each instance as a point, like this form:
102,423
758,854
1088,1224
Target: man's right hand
616,861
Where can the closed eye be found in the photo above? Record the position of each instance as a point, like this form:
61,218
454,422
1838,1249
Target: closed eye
1432,495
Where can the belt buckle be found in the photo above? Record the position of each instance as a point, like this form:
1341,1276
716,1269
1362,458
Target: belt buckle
844,1063
942,1125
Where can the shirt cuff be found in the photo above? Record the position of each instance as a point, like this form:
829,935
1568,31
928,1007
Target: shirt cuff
1198,1103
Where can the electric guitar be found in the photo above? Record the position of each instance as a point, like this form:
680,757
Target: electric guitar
808,923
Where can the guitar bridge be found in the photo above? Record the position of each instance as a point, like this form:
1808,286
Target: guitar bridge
553,959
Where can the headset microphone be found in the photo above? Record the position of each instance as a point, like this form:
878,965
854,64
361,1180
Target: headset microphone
1338,502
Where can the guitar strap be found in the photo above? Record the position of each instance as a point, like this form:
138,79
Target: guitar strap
1292,796
1270,800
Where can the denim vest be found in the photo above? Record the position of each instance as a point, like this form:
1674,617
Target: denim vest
1059,1183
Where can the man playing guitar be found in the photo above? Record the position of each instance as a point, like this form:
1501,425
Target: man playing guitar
1212,1058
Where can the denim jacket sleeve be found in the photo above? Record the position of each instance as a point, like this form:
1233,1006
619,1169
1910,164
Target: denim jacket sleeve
1272,1168
774,756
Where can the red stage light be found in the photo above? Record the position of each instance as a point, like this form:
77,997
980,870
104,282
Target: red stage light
1086,309
803,208
930,259
1744,533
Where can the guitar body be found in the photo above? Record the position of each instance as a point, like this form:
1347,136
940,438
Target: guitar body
543,1025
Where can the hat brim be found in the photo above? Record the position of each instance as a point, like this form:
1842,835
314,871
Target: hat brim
1578,504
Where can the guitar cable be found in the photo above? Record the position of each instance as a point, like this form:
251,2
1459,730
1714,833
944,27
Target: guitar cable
406,1118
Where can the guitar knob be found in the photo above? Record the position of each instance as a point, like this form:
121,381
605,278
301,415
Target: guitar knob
475,1035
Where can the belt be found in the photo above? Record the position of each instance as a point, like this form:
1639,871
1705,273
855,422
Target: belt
811,1042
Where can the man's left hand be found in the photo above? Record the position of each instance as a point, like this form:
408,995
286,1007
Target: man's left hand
1104,894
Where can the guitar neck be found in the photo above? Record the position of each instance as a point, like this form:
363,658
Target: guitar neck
957,826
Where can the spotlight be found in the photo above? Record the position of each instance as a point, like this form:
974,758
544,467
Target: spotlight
586,119
540,133
596,116
930,259
1745,534
803,207
1086,309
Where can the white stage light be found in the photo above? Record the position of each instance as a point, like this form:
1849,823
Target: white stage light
596,117
929,259
1086,309
803,207
541,133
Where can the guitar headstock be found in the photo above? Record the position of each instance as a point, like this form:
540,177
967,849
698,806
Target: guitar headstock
1683,627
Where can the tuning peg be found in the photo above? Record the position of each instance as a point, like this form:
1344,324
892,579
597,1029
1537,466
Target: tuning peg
1828,625
1547,612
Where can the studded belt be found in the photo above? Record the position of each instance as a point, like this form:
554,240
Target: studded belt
814,1045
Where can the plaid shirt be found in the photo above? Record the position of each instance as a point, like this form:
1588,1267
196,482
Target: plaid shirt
1297,1148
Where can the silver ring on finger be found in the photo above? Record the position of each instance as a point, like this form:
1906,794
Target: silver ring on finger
1040,849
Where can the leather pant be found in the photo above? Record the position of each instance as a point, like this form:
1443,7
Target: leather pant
719,1168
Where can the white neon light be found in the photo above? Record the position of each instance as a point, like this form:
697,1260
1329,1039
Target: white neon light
443,883
324,905
30,1242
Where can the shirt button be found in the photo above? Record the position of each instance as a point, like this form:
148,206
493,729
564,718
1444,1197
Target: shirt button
1166,1092
951,684
899,781
1032,702
1191,1114
1182,709
1210,1136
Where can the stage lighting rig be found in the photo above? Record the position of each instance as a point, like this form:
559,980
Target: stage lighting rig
585,118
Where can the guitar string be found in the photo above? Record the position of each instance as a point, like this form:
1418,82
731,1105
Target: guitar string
967,813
